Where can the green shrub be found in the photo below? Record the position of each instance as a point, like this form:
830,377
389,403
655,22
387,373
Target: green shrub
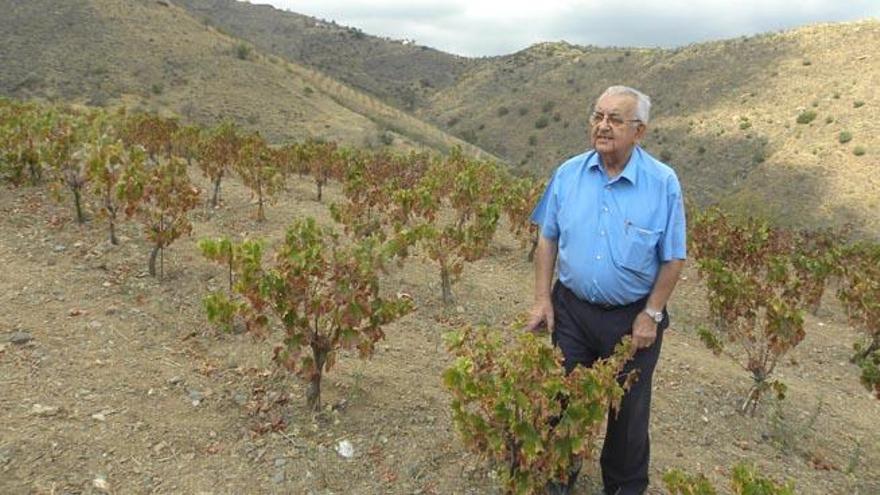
541,122
859,150
157,88
548,106
759,156
806,117
523,110
502,111
533,140
745,124
242,51
845,137
858,103
829,119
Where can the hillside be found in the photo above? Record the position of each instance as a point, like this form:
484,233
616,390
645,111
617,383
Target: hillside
397,71
725,115
152,55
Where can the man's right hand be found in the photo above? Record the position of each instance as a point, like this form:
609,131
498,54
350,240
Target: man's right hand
541,316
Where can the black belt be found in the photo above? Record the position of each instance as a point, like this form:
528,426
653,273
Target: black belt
605,306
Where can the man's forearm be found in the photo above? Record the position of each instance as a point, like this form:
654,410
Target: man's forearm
545,262
665,283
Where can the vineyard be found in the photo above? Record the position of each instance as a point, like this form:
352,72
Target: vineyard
198,310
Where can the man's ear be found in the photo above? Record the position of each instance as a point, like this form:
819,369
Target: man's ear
640,132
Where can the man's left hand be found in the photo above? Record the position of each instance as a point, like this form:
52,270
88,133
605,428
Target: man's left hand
644,331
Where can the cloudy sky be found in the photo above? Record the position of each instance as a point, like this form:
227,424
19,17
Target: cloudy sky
494,27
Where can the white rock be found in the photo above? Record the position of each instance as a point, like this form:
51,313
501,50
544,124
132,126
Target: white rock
345,449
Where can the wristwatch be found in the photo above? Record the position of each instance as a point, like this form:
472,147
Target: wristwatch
655,315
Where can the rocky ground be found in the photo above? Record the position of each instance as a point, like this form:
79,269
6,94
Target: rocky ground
113,382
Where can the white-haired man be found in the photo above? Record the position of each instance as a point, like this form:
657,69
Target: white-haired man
613,218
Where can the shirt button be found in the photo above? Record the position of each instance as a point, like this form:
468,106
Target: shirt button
602,232
605,209
598,256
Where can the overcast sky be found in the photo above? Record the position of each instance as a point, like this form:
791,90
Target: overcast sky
494,27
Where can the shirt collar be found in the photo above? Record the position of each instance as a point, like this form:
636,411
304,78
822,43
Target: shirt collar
630,171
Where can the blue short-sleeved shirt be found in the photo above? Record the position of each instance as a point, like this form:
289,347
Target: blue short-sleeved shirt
613,234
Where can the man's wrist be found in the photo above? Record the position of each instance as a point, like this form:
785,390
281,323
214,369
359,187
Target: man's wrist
655,314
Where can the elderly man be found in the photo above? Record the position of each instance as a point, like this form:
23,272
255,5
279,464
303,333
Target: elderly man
613,219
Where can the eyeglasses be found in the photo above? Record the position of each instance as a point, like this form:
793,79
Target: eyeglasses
597,118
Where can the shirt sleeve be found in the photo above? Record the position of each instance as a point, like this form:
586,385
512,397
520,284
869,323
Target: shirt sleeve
545,213
673,244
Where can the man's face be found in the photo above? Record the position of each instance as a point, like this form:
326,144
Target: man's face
618,132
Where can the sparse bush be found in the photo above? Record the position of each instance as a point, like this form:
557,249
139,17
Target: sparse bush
701,150
845,137
533,140
502,111
759,157
386,138
829,120
806,117
523,110
308,90
807,62
242,51
451,122
541,122
548,106
157,88
836,95
858,103
745,125
859,150
665,156
557,117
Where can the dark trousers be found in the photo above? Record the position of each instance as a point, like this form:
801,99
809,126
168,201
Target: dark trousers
586,332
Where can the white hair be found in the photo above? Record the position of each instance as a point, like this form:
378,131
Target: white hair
643,101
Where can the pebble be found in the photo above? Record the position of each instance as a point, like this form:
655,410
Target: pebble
5,455
240,398
44,411
278,477
195,397
345,449
20,338
59,247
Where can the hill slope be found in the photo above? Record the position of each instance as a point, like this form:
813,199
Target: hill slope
725,115
397,71
155,56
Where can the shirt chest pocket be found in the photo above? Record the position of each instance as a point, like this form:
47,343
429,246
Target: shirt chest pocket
640,249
